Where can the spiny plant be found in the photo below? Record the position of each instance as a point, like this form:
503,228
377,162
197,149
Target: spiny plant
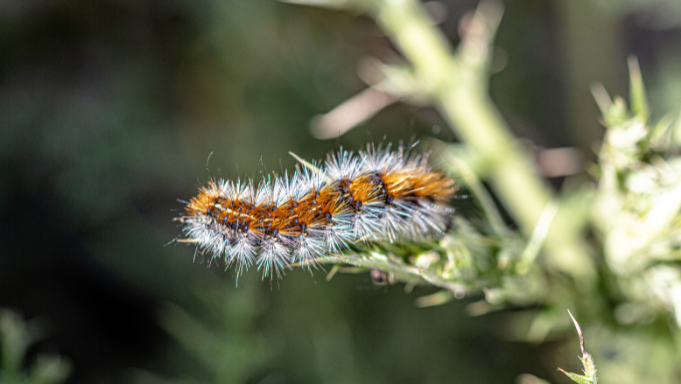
638,201
626,276
589,376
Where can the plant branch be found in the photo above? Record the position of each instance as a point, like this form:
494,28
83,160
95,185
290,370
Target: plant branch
457,85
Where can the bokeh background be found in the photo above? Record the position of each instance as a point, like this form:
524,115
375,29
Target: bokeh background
109,110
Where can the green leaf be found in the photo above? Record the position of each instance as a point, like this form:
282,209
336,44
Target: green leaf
578,378
49,370
14,341
660,135
602,98
639,101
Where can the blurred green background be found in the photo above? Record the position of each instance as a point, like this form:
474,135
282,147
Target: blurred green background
109,110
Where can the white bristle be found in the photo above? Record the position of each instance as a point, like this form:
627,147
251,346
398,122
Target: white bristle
378,216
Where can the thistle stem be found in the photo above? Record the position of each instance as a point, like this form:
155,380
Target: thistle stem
456,84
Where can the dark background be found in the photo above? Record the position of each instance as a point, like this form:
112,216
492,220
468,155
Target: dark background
109,110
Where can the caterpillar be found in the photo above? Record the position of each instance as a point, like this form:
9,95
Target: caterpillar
375,194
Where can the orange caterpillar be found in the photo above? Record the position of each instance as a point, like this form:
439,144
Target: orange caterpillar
376,194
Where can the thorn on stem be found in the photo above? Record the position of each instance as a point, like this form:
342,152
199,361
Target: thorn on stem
579,332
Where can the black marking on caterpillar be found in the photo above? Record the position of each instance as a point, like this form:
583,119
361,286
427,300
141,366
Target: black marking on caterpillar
376,194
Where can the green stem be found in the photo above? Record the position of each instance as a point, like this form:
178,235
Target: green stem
457,84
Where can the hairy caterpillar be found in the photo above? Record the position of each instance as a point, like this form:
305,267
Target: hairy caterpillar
376,194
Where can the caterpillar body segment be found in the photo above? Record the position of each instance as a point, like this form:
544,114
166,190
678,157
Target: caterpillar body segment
376,194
